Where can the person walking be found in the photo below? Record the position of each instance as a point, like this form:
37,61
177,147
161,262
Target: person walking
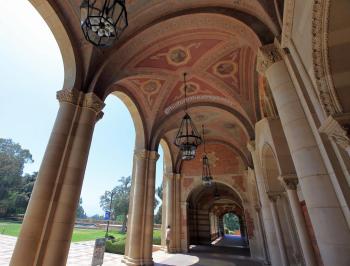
167,239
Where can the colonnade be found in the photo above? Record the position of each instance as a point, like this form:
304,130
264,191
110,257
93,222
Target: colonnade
48,224
328,220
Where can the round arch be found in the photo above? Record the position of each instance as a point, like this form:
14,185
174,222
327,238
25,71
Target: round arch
140,133
57,27
271,169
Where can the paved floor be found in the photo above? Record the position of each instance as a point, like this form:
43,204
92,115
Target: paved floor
80,254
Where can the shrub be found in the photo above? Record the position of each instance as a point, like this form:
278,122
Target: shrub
115,246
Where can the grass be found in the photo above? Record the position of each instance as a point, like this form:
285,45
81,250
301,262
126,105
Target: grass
9,228
13,228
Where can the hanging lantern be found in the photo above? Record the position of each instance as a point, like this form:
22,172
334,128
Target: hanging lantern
103,21
187,138
207,179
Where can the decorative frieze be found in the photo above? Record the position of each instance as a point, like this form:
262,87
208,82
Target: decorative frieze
288,15
337,129
267,56
324,83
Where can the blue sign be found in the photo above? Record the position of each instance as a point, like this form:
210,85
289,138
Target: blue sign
107,215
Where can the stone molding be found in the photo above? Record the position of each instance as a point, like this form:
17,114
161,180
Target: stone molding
337,129
146,154
251,145
288,15
267,56
289,182
89,100
324,84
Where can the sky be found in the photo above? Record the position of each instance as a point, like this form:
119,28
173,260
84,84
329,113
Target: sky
31,71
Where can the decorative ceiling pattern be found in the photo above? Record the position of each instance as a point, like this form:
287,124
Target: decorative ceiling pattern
215,42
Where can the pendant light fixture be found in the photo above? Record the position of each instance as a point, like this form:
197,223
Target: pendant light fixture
103,21
207,179
187,138
216,193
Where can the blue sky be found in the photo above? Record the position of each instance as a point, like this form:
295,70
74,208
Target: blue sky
31,71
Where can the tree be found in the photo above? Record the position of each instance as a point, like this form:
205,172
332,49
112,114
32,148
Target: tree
120,202
15,189
231,221
80,213
158,216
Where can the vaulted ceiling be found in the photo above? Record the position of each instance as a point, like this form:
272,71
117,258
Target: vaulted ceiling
215,42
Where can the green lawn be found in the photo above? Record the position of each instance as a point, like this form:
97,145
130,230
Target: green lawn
12,229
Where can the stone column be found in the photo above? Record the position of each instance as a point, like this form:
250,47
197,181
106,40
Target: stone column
266,219
279,234
177,214
330,226
48,223
262,235
290,184
138,249
168,203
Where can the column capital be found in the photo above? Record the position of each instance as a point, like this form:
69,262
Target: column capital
72,96
251,145
168,175
289,181
338,128
93,102
146,154
267,56
89,100
274,196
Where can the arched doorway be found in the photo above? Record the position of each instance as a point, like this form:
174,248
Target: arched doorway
207,207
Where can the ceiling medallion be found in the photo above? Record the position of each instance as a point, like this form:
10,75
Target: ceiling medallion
207,179
103,21
187,138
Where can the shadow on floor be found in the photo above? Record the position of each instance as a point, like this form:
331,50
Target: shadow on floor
235,254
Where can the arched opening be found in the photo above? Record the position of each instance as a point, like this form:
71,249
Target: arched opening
283,222
209,208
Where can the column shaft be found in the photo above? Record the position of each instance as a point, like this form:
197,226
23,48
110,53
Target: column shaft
279,233
266,219
331,230
138,250
304,238
48,224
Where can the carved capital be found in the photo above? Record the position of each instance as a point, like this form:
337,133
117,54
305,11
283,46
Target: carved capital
141,154
99,116
92,101
69,96
274,196
89,100
289,182
287,27
337,128
153,155
267,56
146,154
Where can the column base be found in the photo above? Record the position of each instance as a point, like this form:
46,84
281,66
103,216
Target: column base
137,262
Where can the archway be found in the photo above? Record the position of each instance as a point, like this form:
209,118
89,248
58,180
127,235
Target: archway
205,218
